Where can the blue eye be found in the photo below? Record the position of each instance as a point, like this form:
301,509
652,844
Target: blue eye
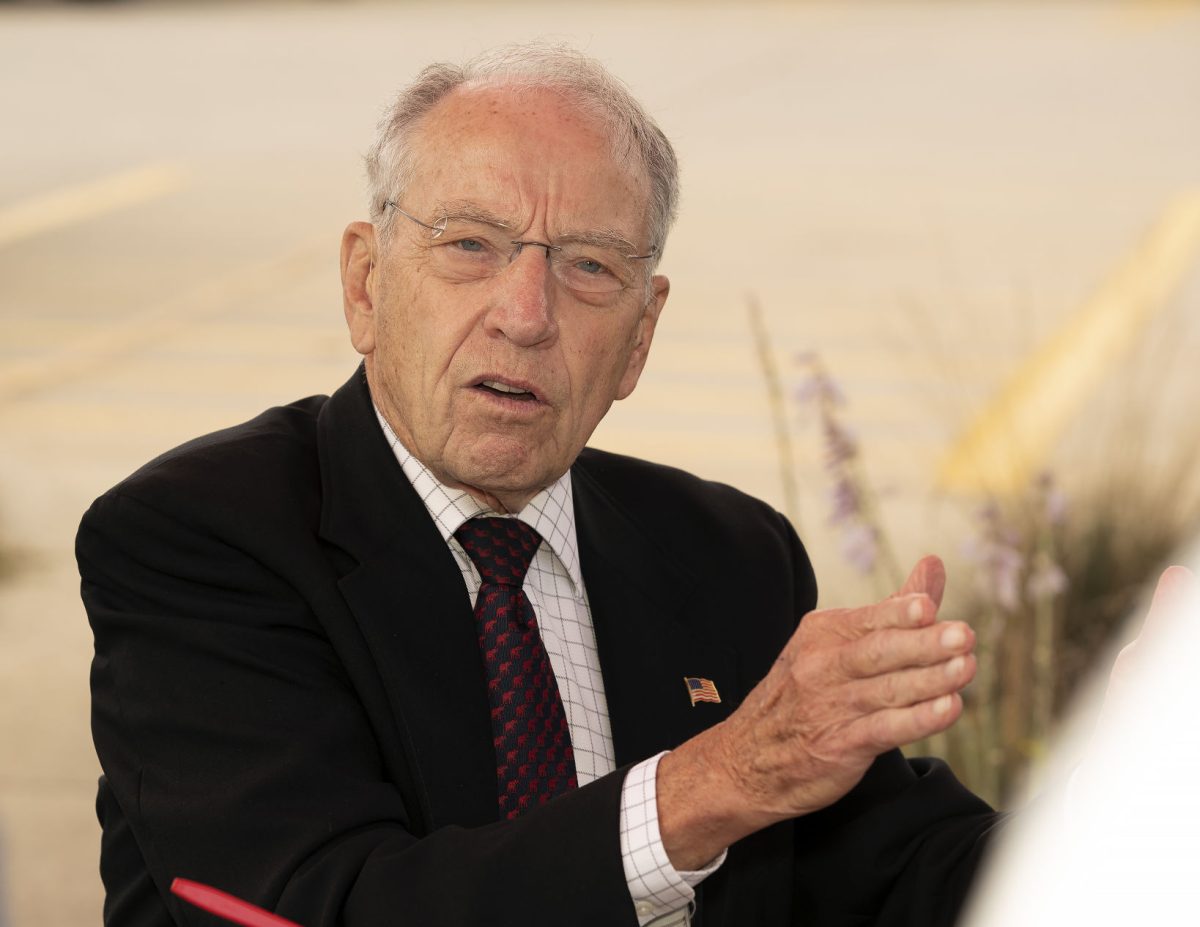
470,244
589,266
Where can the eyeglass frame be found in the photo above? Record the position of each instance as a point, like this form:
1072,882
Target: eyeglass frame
439,230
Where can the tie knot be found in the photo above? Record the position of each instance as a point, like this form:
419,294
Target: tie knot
500,548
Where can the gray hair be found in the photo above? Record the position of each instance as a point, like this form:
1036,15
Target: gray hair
536,65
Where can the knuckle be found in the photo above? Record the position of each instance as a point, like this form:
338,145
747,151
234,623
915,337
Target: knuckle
844,662
890,687
861,700
819,619
878,731
870,653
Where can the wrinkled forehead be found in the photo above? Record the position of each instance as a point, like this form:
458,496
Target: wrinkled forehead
512,146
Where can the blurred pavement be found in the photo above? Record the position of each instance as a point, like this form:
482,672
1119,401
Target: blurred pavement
921,192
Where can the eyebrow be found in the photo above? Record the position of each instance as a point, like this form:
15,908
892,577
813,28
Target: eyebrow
600,238
465,209
596,238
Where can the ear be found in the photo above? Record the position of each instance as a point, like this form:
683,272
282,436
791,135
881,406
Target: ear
660,286
358,260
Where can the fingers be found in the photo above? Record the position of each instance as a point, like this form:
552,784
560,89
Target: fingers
928,577
909,611
890,650
895,727
905,609
912,686
1173,585
849,685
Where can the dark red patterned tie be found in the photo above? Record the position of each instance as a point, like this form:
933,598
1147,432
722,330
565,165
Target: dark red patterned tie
534,759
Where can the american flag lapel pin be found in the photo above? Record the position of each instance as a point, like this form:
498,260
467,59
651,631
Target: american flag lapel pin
701,689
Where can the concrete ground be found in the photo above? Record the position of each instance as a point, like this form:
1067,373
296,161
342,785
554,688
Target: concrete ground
923,193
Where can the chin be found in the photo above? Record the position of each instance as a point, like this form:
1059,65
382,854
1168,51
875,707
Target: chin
501,469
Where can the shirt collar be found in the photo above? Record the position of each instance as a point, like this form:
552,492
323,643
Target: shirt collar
551,513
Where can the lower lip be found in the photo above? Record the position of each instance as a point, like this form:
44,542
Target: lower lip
510,404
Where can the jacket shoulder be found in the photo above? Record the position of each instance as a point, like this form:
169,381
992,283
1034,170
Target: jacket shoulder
665,492
700,520
267,463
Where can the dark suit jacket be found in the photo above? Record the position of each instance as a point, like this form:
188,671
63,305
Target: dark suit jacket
289,701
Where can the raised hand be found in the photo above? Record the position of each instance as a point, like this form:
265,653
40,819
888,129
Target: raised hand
1173,585
849,685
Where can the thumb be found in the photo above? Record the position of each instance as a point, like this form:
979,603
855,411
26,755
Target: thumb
929,577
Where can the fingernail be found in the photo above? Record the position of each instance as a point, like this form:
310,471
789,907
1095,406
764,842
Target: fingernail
942,705
955,666
953,636
915,610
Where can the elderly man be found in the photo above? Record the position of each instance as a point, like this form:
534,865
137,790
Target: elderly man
411,654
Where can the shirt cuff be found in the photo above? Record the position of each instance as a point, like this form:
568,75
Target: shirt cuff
656,887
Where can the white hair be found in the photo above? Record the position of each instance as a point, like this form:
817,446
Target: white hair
524,66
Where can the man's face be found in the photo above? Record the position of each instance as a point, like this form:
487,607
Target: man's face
495,384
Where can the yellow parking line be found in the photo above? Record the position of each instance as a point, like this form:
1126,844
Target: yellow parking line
1015,432
1152,13
86,200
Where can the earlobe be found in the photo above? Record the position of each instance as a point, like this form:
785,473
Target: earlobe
358,260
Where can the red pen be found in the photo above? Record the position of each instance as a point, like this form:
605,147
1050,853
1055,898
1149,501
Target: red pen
226,905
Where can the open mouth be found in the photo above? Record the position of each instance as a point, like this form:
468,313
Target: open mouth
506,390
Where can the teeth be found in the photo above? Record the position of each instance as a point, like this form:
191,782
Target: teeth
502,387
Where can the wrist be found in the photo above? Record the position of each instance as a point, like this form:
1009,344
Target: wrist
702,808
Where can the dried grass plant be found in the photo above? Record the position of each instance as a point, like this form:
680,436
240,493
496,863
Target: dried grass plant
1050,576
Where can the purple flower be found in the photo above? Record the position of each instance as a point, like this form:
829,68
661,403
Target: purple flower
1046,579
818,387
860,546
1004,568
845,503
1053,499
841,447
997,550
862,541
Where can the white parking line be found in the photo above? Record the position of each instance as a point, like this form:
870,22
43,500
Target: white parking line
156,323
77,203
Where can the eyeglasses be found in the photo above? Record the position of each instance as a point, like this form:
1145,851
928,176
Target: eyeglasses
466,249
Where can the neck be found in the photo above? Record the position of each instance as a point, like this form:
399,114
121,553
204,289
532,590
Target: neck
506,504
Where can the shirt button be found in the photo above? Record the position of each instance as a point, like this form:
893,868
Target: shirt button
644,908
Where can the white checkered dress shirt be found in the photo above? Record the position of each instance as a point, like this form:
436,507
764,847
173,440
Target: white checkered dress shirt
554,584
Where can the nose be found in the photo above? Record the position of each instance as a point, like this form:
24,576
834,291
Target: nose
523,301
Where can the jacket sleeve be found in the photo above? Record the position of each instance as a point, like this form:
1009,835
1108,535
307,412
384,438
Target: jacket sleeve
236,752
902,848
899,850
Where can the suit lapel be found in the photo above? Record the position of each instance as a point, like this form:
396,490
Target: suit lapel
644,608
407,596
654,627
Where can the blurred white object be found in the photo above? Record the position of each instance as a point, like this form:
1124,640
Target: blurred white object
1114,838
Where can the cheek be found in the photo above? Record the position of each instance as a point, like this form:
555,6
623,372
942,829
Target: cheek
395,339
420,336
600,359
